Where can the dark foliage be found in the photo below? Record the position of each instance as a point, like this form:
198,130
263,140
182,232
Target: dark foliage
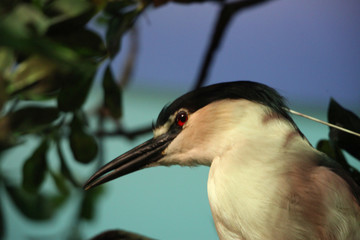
339,140
48,62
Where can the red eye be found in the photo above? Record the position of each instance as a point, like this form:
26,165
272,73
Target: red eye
181,118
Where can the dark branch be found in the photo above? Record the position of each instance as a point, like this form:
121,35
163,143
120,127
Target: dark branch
224,17
131,57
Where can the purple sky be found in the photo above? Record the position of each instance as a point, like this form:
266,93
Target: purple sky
308,50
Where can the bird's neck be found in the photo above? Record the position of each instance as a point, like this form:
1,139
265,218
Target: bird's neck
262,149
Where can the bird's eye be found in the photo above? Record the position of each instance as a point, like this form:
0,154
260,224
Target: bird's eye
181,118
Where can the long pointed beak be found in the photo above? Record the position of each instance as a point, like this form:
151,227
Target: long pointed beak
131,161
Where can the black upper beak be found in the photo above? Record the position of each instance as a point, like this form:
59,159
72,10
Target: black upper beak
131,161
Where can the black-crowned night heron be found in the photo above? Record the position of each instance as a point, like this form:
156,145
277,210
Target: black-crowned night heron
265,180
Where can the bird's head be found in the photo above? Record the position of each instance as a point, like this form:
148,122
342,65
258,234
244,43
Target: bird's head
197,126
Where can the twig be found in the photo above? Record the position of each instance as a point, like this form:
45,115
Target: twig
226,13
323,122
65,169
131,57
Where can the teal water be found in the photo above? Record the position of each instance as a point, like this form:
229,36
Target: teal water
162,203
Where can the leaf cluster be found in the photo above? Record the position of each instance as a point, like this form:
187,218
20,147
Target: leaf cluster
339,140
48,61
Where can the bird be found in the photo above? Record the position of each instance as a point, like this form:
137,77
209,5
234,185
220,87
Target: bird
266,181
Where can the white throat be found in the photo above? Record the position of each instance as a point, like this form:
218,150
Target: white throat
244,176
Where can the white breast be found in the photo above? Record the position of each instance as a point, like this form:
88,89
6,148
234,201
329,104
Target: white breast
266,185
280,198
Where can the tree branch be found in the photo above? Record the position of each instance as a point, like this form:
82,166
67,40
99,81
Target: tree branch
225,15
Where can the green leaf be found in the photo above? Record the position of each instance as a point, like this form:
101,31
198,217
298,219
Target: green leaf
26,20
72,24
342,117
84,42
89,202
30,72
112,94
39,3
64,167
33,118
117,26
3,95
60,183
73,33
66,57
119,234
35,206
83,145
7,139
35,168
332,151
75,89
7,61
70,8
114,7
